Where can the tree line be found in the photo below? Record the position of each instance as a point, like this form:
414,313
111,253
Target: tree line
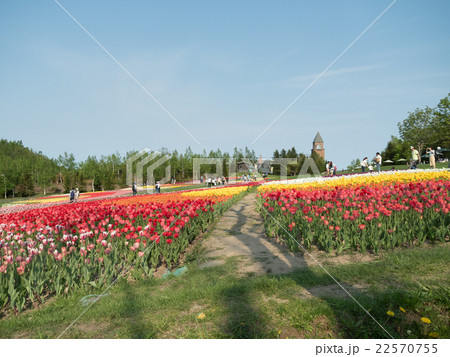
427,127
294,170
422,128
24,172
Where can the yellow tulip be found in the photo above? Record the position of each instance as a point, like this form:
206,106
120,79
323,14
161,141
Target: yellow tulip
358,180
215,192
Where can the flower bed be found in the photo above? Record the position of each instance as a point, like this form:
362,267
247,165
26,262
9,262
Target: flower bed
65,247
378,212
59,200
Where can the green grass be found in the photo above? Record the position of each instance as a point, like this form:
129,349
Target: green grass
439,165
239,306
21,200
165,189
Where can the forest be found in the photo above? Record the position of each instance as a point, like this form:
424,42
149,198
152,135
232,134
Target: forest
24,172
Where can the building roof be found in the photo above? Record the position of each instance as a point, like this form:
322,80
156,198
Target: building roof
318,139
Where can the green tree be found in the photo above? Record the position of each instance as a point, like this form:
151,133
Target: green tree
396,149
81,182
25,187
69,181
250,154
292,169
292,153
319,161
90,169
67,161
276,168
354,164
441,123
238,154
427,127
301,161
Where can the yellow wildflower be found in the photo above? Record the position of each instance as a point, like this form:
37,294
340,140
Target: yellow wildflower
201,316
434,334
402,309
390,313
426,320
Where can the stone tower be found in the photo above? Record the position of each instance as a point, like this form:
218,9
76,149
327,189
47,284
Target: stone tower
318,146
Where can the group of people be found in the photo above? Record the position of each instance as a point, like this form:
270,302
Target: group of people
157,188
376,163
248,178
331,168
216,181
415,159
74,194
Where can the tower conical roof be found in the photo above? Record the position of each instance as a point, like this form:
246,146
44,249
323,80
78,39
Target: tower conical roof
318,138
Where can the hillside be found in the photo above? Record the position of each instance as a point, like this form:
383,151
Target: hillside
23,171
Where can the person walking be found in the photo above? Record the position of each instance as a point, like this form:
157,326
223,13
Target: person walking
378,161
77,194
328,167
72,195
415,157
364,164
134,189
432,157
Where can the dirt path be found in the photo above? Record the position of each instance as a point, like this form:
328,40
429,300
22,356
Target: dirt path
240,233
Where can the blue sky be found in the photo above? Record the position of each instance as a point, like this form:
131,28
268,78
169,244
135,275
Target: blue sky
225,70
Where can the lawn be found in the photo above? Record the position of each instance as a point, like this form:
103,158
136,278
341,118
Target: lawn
386,167
303,304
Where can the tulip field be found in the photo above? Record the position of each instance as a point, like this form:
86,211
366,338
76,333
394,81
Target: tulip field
367,212
57,249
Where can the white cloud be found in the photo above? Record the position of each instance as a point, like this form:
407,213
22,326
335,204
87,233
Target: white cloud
300,80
